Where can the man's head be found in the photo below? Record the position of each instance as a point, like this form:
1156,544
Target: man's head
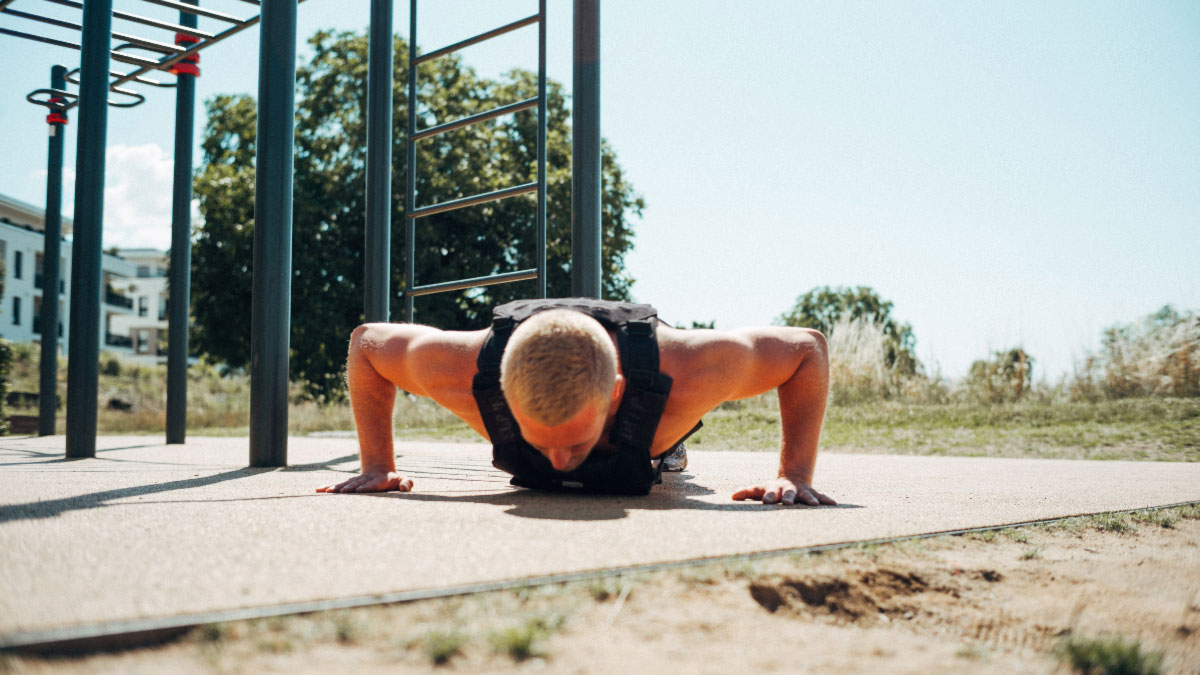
560,377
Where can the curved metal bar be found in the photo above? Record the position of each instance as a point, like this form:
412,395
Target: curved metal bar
127,92
50,92
71,77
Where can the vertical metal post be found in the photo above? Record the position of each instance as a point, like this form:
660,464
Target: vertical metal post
83,364
272,288
410,191
51,252
541,151
585,152
181,250
378,244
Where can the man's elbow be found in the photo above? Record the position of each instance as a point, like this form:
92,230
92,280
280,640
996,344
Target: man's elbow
816,350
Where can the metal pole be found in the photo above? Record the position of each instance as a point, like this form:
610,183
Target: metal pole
585,153
51,252
181,250
83,363
410,189
272,291
541,151
378,244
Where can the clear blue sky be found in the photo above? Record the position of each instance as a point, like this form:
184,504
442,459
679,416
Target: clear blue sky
1006,173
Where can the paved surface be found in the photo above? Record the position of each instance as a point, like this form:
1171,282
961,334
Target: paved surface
146,530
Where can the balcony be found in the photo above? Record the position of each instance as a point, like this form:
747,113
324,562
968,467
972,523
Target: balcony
37,283
113,340
115,299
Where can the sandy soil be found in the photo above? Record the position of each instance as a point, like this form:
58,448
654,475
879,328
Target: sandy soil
987,604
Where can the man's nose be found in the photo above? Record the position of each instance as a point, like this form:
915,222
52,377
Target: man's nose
560,458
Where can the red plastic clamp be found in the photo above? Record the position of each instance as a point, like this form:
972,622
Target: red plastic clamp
187,65
57,116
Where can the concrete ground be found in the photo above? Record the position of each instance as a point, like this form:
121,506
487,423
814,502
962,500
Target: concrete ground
147,533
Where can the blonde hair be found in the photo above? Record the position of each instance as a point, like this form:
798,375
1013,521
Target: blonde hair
557,362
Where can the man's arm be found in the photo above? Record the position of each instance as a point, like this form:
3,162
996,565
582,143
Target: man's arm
795,361
383,356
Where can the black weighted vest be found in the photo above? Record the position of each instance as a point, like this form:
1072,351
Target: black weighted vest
628,470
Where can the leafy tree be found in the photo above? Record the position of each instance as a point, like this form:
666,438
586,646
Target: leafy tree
329,206
822,307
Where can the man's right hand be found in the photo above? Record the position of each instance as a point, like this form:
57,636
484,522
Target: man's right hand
372,481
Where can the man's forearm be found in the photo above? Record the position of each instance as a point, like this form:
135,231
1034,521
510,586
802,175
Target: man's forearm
802,402
372,398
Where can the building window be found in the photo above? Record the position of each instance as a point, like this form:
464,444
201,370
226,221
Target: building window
16,264
143,270
17,308
143,305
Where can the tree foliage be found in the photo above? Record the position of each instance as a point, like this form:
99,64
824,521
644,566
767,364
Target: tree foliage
329,206
823,307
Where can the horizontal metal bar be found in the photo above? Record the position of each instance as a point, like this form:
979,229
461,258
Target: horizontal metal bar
196,10
39,38
155,23
149,45
472,201
477,39
492,280
167,62
148,64
480,117
43,19
143,43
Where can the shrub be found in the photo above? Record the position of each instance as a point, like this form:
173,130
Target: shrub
1109,656
1006,376
1157,356
6,361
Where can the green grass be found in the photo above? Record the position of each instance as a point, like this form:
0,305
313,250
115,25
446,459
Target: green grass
1138,428
1166,429
523,640
1108,656
441,646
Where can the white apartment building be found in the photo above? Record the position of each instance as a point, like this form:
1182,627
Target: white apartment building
133,314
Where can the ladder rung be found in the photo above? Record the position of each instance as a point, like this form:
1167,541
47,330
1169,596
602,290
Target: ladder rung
142,20
198,11
472,201
492,280
478,38
479,117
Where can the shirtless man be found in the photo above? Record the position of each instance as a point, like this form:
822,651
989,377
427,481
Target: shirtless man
562,381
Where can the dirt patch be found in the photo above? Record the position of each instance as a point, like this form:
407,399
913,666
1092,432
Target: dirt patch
993,603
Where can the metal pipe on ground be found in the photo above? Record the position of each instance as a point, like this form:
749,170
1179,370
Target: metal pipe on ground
51,254
272,291
181,249
585,152
378,239
83,363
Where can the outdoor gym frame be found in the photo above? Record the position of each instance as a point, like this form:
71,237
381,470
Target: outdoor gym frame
272,266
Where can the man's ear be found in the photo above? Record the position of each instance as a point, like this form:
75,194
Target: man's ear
618,392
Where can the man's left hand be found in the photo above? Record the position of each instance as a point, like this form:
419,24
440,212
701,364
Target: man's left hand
784,491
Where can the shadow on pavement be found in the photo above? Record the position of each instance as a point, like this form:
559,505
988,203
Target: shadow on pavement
575,506
53,507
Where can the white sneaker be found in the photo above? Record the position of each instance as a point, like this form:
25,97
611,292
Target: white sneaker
675,460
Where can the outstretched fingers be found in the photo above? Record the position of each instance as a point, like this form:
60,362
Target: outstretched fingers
755,492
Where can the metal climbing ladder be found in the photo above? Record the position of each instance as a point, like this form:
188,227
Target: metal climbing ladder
413,212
